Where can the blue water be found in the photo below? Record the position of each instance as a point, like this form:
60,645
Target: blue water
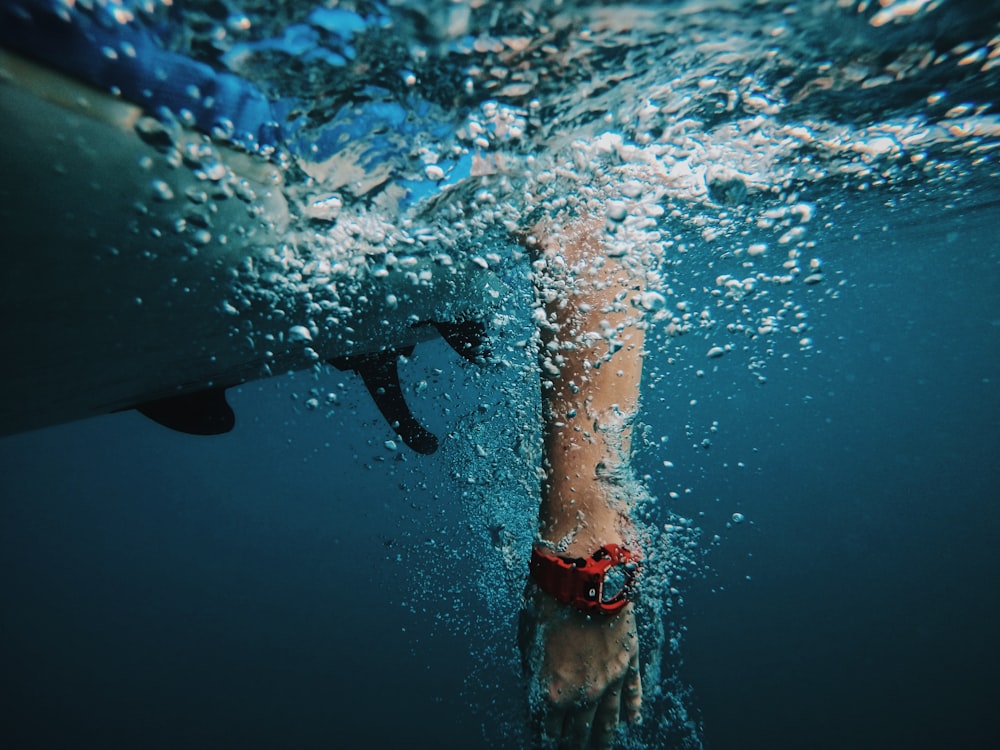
167,591
295,584
856,611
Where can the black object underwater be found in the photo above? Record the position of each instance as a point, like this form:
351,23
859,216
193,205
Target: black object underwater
208,413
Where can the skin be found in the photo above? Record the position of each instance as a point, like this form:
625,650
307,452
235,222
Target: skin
584,670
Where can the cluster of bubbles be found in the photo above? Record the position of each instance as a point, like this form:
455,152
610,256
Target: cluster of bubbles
694,129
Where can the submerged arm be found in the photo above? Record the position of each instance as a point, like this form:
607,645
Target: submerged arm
585,668
591,367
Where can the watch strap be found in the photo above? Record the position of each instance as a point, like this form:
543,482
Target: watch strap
579,582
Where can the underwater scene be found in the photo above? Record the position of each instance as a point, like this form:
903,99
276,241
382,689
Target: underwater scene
290,292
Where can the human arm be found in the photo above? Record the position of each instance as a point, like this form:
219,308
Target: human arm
584,668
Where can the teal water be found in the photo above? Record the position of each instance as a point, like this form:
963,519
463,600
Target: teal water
829,480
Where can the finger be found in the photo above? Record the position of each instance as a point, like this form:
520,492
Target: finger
633,692
577,729
606,718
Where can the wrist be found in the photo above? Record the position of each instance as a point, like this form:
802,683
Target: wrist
588,529
602,582
580,525
579,514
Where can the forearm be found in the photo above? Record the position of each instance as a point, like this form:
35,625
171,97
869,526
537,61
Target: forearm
592,349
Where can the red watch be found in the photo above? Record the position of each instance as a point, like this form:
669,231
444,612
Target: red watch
600,584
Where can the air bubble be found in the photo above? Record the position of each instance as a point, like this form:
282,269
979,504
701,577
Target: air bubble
215,171
299,333
238,22
652,301
162,191
617,210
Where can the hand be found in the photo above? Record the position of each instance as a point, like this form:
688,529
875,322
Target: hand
584,672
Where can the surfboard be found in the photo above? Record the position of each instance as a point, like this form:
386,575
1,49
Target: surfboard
127,245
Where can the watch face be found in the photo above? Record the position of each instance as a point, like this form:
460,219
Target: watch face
615,580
